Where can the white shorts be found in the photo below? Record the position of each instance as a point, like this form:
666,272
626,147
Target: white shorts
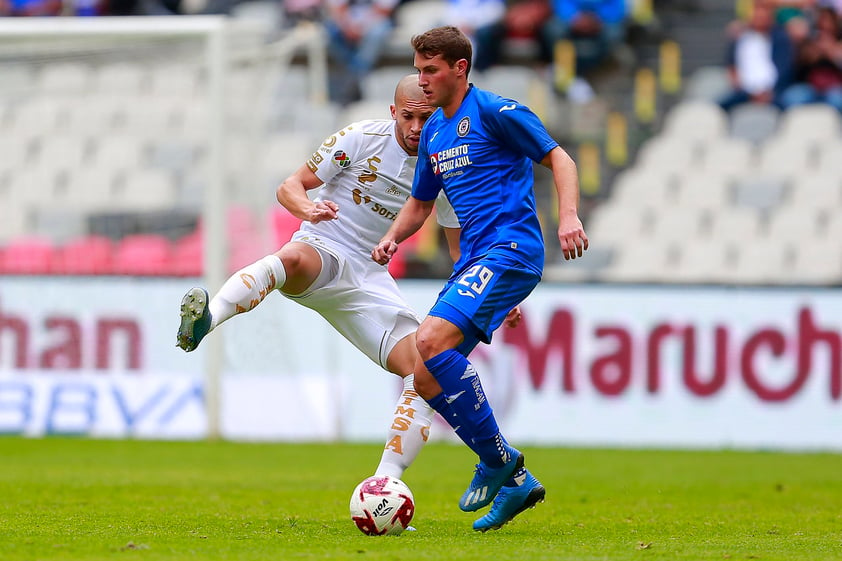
359,298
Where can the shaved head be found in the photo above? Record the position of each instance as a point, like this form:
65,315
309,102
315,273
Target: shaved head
409,90
410,111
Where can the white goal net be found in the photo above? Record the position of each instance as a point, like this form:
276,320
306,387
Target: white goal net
150,147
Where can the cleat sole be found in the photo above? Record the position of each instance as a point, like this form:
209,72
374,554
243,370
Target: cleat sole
193,310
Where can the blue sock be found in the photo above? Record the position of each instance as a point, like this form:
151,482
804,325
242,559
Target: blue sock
443,408
469,411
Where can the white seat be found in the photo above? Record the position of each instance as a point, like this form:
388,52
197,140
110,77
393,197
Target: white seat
512,81
733,223
16,151
832,230
697,120
786,156
121,78
704,261
379,84
817,263
15,224
145,190
95,115
62,151
830,157
795,224
193,121
704,191
634,187
616,223
362,110
652,261
33,185
294,84
762,192
120,152
754,122
19,81
708,83
761,261
38,115
670,154
728,156
676,223
412,18
812,122
283,154
175,80
176,155
152,116
822,191
66,78
91,189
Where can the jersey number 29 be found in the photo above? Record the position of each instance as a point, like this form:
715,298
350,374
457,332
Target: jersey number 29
476,279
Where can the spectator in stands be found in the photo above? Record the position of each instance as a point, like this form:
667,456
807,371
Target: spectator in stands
595,26
835,4
27,8
522,20
300,11
819,65
760,58
358,31
482,22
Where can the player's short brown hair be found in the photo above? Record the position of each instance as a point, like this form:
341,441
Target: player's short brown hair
446,41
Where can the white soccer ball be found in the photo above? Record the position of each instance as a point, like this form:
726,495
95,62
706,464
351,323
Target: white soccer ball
382,505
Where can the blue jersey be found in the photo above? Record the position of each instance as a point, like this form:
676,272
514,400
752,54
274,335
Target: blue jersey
482,158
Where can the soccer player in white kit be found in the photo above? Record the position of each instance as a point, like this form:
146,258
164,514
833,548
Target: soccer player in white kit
364,174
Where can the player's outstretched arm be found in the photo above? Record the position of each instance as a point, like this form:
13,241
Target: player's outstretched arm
409,220
571,233
292,194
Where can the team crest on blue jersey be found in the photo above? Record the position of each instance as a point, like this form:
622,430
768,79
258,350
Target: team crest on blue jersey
434,162
341,159
464,126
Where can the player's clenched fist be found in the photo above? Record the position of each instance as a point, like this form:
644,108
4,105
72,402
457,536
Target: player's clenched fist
323,210
383,252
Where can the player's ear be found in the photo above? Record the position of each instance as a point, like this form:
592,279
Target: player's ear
393,110
461,67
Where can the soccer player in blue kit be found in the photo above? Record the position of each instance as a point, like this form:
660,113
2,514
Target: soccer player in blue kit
479,148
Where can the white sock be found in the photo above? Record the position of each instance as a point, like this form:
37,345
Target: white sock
247,288
408,432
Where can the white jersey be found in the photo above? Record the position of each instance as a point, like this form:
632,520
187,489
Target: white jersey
369,175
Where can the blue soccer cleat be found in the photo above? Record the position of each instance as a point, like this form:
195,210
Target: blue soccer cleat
487,482
195,319
510,502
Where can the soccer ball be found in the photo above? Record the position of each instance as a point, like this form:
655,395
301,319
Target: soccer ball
382,505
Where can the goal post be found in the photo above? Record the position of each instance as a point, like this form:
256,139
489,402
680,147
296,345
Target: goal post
166,153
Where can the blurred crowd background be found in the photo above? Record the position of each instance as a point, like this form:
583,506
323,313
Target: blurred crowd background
707,133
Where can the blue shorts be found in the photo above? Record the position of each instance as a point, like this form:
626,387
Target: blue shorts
478,298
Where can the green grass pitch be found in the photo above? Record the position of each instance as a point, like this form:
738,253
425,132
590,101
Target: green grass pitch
79,499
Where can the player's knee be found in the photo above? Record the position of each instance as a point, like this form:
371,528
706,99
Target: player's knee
292,260
431,339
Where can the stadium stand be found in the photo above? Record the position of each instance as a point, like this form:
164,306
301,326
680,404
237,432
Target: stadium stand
143,255
712,197
86,255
